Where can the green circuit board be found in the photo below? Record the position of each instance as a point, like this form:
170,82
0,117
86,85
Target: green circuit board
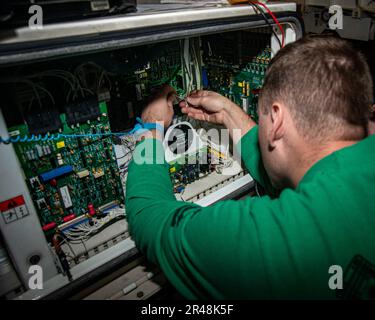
68,174
240,84
164,67
189,168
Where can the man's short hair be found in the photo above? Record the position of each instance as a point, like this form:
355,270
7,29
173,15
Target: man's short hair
325,83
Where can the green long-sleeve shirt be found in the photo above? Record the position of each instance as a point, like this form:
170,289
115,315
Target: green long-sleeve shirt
257,247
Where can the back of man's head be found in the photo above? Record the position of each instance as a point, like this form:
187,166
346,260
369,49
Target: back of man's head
326,85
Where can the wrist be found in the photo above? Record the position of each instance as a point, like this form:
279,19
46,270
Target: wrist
232,114
236,121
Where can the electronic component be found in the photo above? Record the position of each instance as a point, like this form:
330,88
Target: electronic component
241,84
42,122
82,111
67,201
84,173
55,173
190,168
70,176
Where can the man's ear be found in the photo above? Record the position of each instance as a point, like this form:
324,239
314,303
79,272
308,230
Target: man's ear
277,123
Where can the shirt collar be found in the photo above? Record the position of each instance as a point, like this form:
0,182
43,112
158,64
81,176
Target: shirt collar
363,148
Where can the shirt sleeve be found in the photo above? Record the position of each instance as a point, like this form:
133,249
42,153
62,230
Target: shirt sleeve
233,249
249,149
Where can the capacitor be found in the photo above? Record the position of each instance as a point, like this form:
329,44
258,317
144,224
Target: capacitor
91,209
39,150
245,104
60,160
31,155
49,226
53,183
69,217
45,149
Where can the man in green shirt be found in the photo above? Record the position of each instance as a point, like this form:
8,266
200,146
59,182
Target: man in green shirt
311,152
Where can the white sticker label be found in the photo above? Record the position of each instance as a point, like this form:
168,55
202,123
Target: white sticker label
13,209
65,195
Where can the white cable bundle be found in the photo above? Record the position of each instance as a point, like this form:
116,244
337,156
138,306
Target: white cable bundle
85,230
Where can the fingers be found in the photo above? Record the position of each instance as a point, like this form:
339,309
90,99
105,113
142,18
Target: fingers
194,98
198,93
183,104
197,116
201,114
192,110
205,117
197,98
192,101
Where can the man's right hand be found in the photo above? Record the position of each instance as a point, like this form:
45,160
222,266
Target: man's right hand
207,106
213,107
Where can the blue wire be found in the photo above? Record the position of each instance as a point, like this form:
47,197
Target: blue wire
6,141
15,139
55,137
58,136
30,139
52,137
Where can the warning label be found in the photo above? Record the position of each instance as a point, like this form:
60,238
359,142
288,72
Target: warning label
13,209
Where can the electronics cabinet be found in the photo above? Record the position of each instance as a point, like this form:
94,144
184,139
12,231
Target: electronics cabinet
71,93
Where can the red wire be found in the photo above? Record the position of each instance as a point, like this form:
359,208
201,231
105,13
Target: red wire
274,19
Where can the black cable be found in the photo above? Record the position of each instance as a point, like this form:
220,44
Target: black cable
266,20
122,157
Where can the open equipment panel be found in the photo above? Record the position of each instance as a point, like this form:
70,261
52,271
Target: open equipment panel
69,123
